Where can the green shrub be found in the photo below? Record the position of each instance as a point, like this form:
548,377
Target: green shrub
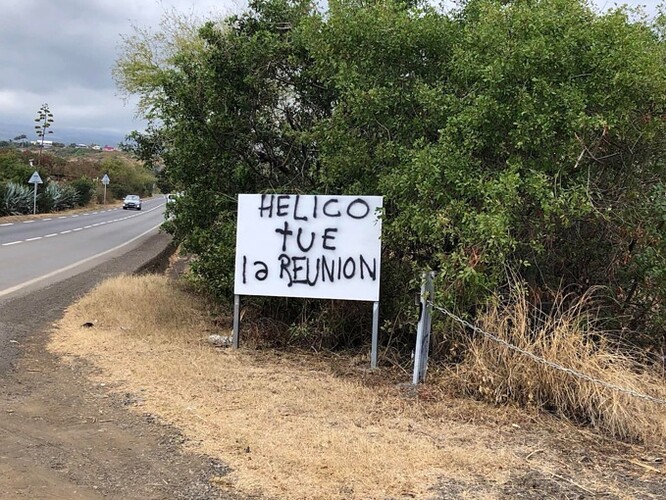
503,135
14,168
85,189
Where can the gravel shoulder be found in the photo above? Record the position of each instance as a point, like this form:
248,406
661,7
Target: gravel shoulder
62,436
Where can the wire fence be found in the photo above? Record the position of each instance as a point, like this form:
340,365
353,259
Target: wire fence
551,364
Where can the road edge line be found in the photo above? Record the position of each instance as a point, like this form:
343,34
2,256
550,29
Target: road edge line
18,287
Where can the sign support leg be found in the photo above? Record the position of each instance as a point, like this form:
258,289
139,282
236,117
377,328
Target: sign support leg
34,201
375,334
236,327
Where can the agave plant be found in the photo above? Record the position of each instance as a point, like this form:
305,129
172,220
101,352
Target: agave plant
58,197
16,200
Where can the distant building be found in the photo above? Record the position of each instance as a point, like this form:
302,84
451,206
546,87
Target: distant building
108,148
45,144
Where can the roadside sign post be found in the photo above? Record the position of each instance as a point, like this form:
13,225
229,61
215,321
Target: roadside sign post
35,179
309,246
105,181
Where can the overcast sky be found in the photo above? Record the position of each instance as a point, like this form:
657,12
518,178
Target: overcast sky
62,52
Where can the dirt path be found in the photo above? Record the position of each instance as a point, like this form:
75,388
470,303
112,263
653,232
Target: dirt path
62,436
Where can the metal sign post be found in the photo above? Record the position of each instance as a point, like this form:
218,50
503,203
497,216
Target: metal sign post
105,181
423,329
236,326
35,179
375,334
309,246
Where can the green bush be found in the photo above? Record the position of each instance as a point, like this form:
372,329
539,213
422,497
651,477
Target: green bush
14,168
505,135
85,190
127,178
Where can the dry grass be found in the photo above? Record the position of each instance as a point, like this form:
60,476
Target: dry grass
565,336
285,423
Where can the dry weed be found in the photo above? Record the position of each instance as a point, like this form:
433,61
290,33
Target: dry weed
567,336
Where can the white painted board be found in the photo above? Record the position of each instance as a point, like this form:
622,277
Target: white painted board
316,246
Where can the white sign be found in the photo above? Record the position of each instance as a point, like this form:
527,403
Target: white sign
105,179
35,179
315,246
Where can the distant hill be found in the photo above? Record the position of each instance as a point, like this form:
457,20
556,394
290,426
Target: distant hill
65,135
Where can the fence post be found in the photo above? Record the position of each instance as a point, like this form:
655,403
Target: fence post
423,330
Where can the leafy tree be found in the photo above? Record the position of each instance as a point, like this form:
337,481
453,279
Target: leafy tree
127,178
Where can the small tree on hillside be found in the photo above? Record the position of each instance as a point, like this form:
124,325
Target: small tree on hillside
44,121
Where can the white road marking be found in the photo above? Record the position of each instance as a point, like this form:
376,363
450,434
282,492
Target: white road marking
78,228
28,221
49,218
75,264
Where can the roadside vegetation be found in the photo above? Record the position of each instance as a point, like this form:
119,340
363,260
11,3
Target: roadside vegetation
301,424
520,148
70,181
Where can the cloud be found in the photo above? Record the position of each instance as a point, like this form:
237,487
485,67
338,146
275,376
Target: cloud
62,53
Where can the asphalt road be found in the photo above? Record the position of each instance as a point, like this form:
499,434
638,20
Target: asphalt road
62,435
39,252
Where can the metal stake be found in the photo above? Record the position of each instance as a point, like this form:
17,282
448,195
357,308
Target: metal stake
423,329
236,327
375,334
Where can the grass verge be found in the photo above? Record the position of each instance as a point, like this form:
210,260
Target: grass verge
286,425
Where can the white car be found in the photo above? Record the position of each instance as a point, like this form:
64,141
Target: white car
132,201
